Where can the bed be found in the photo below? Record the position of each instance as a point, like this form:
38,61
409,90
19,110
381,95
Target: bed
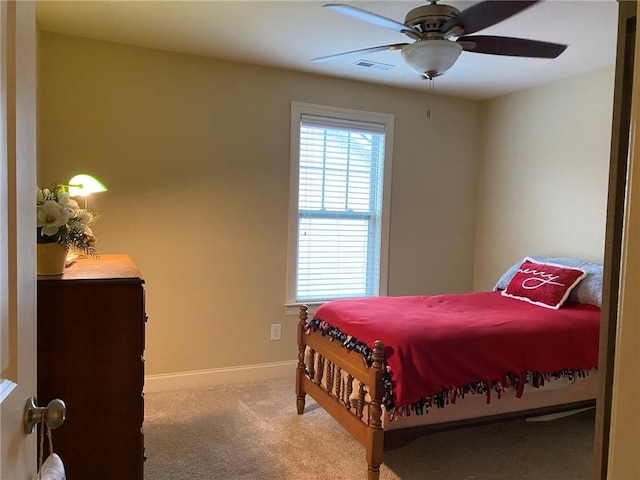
389,369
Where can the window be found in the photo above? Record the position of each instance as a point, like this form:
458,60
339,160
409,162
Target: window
338,227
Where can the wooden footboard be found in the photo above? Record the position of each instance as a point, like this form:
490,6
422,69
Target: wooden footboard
345,386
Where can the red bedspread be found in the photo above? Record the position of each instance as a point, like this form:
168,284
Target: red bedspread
440,342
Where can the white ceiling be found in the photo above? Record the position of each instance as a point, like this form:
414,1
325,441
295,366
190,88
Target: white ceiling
287,34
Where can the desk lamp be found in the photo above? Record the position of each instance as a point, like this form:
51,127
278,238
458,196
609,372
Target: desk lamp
83,185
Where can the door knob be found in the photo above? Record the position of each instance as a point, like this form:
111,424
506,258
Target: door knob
53,414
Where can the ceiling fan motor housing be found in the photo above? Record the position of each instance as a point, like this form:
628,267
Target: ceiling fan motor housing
429,18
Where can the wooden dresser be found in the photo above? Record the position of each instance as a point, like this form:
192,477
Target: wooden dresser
91,325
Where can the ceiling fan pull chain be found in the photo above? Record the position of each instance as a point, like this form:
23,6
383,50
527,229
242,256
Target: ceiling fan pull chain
429,92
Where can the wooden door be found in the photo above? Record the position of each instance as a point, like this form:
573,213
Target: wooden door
17,229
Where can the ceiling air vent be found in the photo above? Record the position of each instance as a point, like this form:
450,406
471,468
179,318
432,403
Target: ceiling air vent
374,65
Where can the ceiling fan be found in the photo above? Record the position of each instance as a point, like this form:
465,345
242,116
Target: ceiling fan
442,32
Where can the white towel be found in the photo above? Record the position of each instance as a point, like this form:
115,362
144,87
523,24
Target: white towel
53,468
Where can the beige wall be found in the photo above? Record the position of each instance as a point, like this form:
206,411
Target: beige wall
195,153
544,174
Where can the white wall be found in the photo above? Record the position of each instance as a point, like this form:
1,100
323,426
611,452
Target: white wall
544,174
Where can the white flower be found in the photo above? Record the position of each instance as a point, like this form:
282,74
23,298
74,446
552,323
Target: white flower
51,216
60,220
66,201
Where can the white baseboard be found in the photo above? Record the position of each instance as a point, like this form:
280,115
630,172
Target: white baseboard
219,376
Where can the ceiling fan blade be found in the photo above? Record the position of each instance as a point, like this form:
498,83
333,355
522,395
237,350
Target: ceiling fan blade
513,47
373,18
485,14
395,46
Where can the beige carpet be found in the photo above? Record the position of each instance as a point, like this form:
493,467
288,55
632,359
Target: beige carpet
252,432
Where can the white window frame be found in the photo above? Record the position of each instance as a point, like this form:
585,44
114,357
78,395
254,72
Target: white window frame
298,109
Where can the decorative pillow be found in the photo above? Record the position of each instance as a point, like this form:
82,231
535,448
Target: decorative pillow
589,290
544,284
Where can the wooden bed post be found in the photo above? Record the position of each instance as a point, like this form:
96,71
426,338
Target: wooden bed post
375,434
300,369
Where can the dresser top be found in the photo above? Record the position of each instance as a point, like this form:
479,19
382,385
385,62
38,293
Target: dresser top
105,267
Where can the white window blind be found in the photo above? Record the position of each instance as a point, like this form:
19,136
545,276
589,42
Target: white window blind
340,193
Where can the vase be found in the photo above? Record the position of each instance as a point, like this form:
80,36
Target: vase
52,258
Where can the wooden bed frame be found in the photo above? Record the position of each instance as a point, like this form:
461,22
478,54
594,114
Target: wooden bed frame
325,386
349,390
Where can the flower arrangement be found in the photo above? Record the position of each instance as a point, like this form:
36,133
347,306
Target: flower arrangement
60,220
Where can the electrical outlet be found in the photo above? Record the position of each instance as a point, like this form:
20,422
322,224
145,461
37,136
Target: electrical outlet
276,331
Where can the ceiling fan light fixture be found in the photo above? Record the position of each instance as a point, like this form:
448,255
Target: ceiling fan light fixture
431,57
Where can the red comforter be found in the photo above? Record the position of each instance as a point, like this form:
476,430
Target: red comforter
441,342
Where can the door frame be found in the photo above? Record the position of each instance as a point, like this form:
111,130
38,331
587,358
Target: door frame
615,223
